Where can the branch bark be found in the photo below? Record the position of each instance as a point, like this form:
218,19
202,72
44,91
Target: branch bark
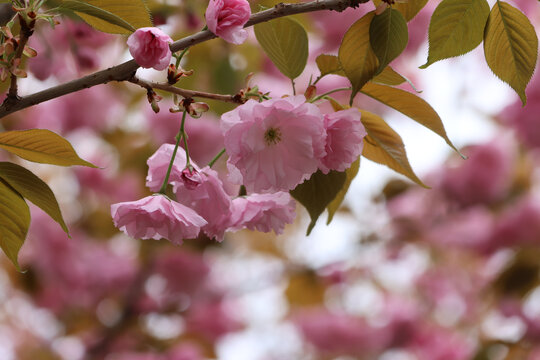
126,71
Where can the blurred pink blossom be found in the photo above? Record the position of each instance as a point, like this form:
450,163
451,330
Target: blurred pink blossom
263,212
273,145
226,19
149,47
156,217
344,141
211,320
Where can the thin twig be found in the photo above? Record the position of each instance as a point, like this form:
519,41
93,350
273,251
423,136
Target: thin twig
24,35
184,92
126,71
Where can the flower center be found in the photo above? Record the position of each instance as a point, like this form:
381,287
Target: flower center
272,136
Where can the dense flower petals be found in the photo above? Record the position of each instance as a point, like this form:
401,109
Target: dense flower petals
156,217
226,19
149,47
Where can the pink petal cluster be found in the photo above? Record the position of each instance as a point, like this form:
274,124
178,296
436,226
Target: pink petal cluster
149,47
226,19
344,141
274,145
263,212
156,217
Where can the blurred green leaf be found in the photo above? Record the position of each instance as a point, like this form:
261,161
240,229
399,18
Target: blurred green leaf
336,203
384,146
14,222
41,146
89,12
356,55
285,41
388,36
318,192
329,64
511,47
32,188
456,27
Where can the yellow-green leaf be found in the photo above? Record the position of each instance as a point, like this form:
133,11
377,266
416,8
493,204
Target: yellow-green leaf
133,12
408,8
456,27
32,188
329,64
41,146
384,146
14,222
410,105
389,77
285,41
336,203
356,55
511,47
388,36
89,11
317,192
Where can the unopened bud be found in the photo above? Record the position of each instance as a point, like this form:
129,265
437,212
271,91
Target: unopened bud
191,178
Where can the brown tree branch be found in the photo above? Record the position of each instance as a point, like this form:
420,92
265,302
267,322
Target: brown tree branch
126,71
186,93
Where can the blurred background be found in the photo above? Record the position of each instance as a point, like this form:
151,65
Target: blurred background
401,273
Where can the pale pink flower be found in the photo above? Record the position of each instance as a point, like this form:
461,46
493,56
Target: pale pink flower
344,141
149,47
263,212
274,145
156,217
209,199
226,19
158,164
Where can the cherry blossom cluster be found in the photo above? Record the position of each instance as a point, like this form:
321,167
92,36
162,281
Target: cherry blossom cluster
273,146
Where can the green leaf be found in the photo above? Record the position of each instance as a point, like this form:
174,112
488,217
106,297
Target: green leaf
356,55
329,64
389,77
511,47
410,105
14,222
388,36
456,27
134,13
384,146
336,203
84,9
32,188
285,41
409,8
317,192
41,146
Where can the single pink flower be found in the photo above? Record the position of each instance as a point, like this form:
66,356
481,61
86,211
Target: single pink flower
344,141
274,145
149,47
263,212
156,217
226,19
209,199
158,164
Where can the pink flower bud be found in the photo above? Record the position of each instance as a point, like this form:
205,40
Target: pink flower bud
191,178
150,48
226,19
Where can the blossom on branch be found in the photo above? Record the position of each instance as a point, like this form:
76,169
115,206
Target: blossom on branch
344,141
156,217
263,212
226,19
274,145
149,47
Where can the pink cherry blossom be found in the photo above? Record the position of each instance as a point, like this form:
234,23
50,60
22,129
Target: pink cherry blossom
344,141
149,47
226,19
209,199
274,145
158,164
263,212
156,217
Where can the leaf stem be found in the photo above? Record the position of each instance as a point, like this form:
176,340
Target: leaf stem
319,97
216,158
